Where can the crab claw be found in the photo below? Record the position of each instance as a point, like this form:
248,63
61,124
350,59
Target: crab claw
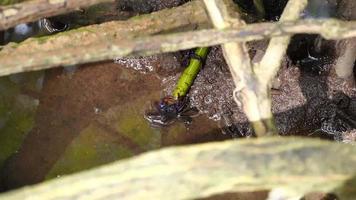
157,120
168,110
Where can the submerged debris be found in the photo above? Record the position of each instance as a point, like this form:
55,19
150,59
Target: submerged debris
162,64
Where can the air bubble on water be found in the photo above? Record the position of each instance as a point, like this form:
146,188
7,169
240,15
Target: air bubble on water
97,110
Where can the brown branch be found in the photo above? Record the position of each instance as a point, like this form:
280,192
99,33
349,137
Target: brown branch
100,42
36,9
59,50
290,165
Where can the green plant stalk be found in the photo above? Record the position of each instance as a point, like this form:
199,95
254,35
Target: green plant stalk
190,73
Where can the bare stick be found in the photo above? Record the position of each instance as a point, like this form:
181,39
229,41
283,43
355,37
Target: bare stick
237,59
271,61
253,89
198,171
268,67
48,52
36,9
346,50
100,42
344,64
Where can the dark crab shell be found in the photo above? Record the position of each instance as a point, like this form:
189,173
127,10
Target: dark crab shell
168,110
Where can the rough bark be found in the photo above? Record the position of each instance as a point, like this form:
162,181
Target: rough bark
99,42
34,10
293,166
113,39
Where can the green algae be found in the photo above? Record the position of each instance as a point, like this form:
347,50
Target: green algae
17,111
96,145
132,124
91,148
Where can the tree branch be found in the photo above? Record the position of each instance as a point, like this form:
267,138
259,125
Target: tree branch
271,61
253,86
292,165
88,46
29,11
268,67
238,60
100,42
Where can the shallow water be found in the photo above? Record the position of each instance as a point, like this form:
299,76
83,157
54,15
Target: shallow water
65,120
87,117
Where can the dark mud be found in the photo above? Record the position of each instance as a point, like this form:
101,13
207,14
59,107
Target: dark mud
147,6
306,93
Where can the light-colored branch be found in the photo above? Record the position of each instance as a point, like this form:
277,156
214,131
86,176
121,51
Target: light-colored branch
252,85
345,63
234,53
238,60
29,11
267,68
292,165
271,61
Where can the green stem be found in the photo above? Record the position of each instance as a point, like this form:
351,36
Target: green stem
190,73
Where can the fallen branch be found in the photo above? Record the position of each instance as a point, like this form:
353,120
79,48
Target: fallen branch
291,165
48,52
29,11
99,42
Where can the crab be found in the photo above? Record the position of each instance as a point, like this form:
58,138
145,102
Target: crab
169,110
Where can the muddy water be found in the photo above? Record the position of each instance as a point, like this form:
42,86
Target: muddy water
66,120
93,114
80,117
18,104
85,116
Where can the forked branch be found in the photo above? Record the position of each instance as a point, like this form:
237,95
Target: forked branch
252,86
